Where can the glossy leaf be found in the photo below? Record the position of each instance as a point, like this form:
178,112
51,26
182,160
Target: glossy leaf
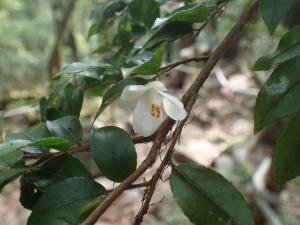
62,202
148,63
10,151
111,8
287,152
273,11
89,69
288,48
71,101
193,14
145,11
29,194
115,92
280,95
10,175
66,99
34,133
89,207
114,152
168,33
101,15
208,198
52,142
67,127
58,169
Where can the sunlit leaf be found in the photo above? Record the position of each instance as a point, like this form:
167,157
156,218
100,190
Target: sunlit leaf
280,95
288,48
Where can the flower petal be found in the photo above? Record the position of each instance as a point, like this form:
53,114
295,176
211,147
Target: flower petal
147,115
173,107
157,85
131,94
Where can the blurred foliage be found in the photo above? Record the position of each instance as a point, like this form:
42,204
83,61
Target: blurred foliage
27,37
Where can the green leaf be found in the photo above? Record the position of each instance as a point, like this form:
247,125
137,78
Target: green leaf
71,101
53,171
89,69
29,194
111,8
148,62
58,169
52,142
287,152
34,133
115,92
62,202
273,11
67,127
10,151
288,48
10,175
102,15
193,14
65,100
123,39
95,70
89,208
280,95
206,197
168,33
114,152
10,159
145,11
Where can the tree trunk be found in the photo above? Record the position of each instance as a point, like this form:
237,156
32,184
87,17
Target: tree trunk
61,30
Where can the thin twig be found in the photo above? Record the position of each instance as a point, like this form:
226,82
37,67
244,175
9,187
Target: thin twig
83,147
188,99
217,12
173,65
165,162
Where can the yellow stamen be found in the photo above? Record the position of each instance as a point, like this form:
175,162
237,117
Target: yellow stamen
155,110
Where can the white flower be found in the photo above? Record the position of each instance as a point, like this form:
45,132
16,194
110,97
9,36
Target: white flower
151,105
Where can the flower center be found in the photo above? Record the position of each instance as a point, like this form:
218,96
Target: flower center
155,110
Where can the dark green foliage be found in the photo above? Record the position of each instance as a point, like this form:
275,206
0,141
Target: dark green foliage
208,198
115,92
288,152
67,127
62,202
144,11
288,48
34,133
280,95
273,11
114,152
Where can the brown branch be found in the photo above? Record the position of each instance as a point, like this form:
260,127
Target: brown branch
165,162
221,4
173,65
188,99
150,159
84,148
